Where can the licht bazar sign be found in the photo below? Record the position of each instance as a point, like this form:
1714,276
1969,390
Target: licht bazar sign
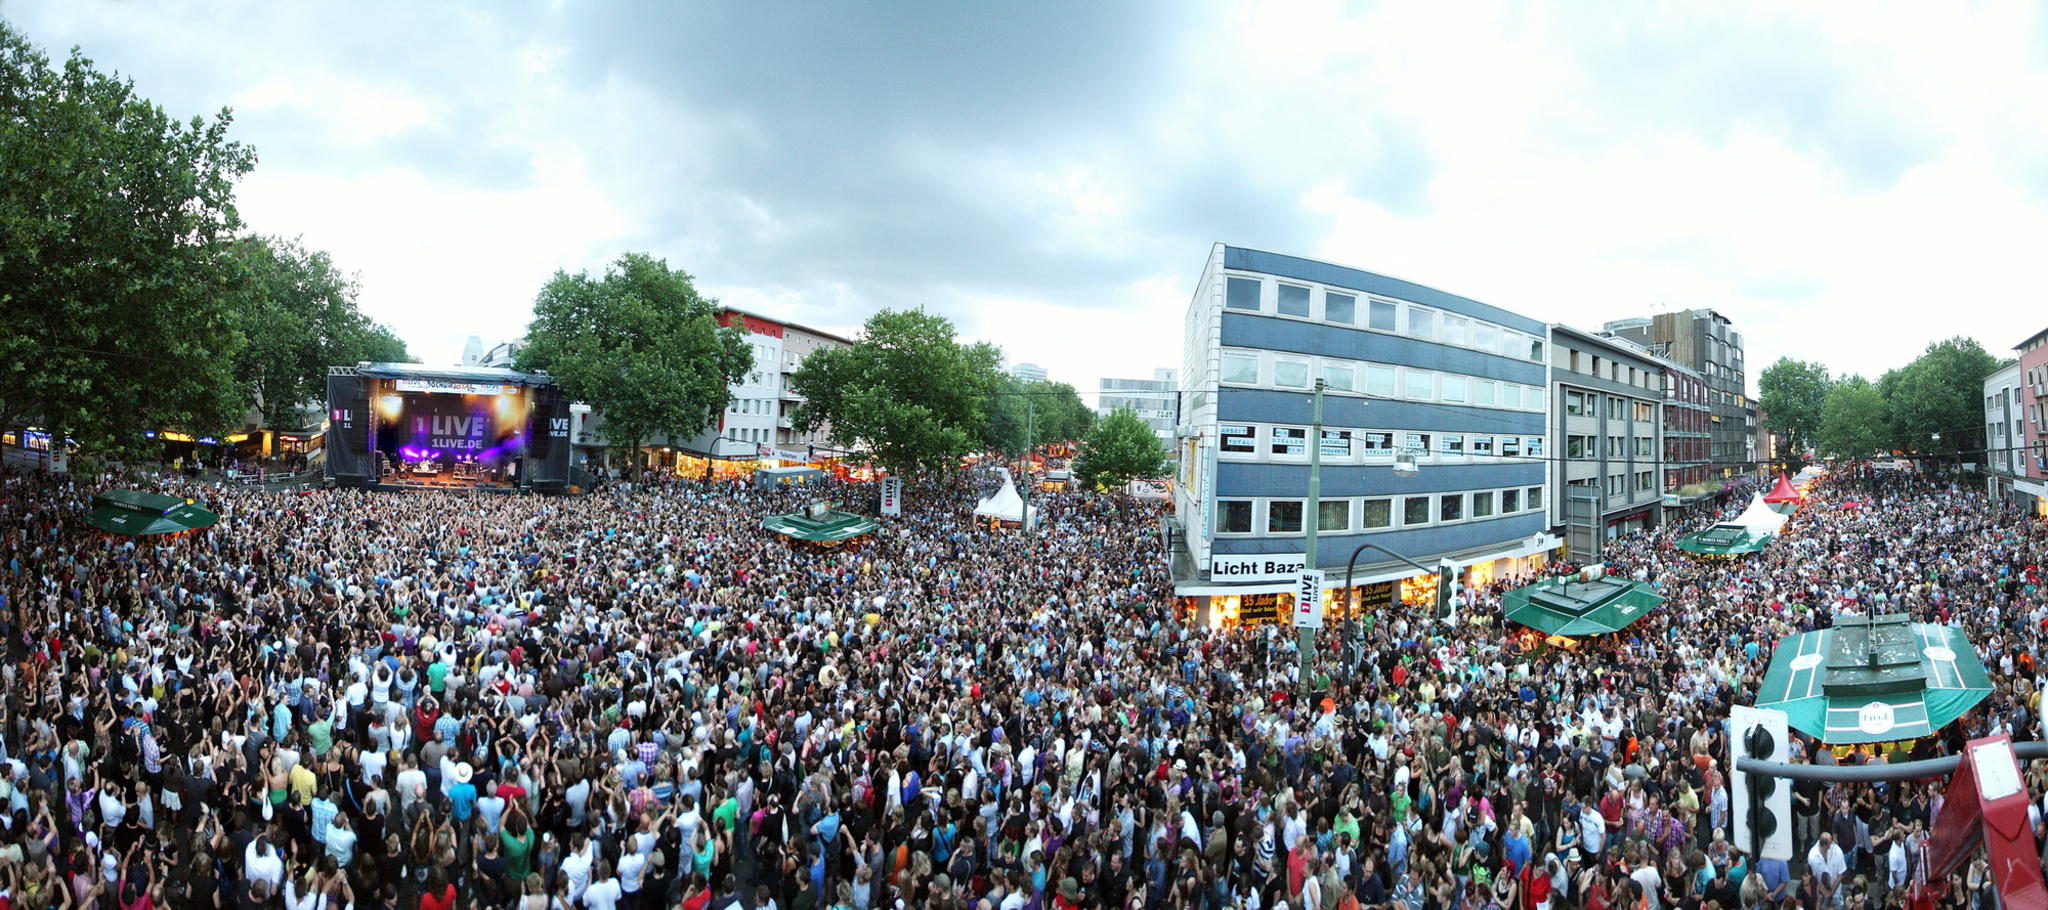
1255,567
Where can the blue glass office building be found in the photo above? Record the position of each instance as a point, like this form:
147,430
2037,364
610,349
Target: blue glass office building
1456,385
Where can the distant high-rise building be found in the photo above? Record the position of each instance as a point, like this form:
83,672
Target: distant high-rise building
1154,400
473,352
1028,372
1706,343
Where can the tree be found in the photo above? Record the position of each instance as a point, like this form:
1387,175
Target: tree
298,313
1054,410
116,219
1792,394
1121,448
1852,421
639,345
908,391
1940,392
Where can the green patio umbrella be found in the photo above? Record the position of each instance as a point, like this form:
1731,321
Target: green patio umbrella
816,525
1573,608
136,513
1874,679
1725,540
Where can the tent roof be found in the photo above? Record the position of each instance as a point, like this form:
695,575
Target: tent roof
1568,607
1004,504
136,513
1760,517
1783,492
832,527
1725,540
1874,679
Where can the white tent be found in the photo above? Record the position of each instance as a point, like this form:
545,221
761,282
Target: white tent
1759,517
1005,504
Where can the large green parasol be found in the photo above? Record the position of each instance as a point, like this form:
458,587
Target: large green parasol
1574,608
1875,679
1725,540
136,513
821,525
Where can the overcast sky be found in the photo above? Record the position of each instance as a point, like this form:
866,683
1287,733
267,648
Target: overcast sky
1846,183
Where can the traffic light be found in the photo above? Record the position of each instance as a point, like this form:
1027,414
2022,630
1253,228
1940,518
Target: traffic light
1762,804
1447,600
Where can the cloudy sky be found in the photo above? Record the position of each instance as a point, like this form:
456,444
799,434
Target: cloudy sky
1847,183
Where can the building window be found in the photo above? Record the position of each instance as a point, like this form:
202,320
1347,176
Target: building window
1291,374
1454,388
1535,350
1454,444
1379,381
1510,501
1575,447
1574,403
1283,516
1378,445
1510,396
1572,357
1420,384
1381,315
1414,511
1535,497
1615,486
1242,369
1535,448
1377,513
1416,442
1451,507
1290,441
1454,329
1421,322
1483,337
1242,294
1643,445
1293,300
1644,411
1234,516
1333,515
1511,446
1336,443
1482,504
1242,439
1340,308
1484,391
1645,480
1337,377
1482,446
1532,399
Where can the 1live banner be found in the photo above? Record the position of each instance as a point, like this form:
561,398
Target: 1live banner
892,495
1308,599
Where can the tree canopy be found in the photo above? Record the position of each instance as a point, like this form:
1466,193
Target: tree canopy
298,313
1792,394
120,308
908,391
1119,449
1941,391
1055,411
1852,420
640,345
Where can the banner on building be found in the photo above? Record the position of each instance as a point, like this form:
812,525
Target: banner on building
892,495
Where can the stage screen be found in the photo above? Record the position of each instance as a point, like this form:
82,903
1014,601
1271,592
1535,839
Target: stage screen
436,429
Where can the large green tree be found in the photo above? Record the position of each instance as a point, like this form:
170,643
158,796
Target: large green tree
1051,411
1940,392
114,225
1792,394
1852,423
298,313
908,392
639,345
1119,449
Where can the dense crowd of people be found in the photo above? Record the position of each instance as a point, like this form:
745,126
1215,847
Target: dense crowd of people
638,699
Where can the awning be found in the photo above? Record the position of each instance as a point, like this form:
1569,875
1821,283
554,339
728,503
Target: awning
831,526
1874,679
1573,608
136,513
1725,540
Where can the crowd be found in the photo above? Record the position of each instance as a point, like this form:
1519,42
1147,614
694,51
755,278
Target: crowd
638,700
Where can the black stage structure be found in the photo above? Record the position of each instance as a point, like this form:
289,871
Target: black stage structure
411,426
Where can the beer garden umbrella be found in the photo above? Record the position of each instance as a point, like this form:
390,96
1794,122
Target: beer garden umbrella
137,514
1874,679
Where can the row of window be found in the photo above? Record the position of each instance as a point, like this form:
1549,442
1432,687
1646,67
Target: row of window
1587,404
1287,371
762,406
1243,442
1342,307
1612,370
1281,517
1576,446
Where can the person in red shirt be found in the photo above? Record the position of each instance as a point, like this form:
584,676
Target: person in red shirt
439,893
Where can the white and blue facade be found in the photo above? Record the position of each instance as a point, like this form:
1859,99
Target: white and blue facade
1459,384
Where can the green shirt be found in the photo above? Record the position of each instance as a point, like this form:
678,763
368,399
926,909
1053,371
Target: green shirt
518,854
437,676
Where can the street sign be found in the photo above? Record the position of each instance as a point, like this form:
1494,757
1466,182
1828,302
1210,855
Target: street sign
1308,599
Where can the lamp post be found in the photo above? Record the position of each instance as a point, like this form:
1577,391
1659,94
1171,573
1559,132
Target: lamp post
1310,524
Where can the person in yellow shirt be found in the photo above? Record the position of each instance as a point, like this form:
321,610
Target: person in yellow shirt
303,782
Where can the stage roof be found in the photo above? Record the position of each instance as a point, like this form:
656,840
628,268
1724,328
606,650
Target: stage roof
457,374
831,527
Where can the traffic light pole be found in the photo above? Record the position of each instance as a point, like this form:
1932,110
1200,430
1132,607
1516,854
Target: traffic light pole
1350,572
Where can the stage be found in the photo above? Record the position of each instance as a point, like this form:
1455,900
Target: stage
412,427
